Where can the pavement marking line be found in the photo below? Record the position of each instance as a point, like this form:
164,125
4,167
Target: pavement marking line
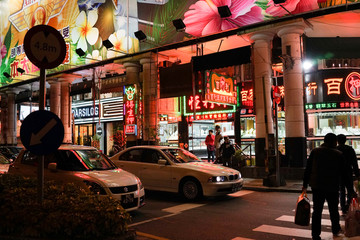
240,193
293,232
150,236
152,219
287,218
325,211
182,207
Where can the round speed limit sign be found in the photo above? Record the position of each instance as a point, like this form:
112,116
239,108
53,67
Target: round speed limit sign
44,46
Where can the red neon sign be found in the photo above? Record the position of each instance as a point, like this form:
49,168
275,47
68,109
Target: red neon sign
352,85
130,110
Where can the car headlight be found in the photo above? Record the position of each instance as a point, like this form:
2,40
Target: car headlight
218,179
95,188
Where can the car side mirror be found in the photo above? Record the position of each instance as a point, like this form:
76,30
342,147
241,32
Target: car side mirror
162,162
52,167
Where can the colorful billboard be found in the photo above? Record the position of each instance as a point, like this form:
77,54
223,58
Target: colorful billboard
86,24
83,24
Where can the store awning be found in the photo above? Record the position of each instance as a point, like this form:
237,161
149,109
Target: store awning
222,59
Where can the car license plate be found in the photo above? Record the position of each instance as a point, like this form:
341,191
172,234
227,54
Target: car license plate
128,198
236,187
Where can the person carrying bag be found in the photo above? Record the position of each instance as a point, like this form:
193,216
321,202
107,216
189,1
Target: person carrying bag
302,211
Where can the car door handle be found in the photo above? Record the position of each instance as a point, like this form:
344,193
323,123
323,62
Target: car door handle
121,165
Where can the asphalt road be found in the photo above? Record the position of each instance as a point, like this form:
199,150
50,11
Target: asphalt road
244,215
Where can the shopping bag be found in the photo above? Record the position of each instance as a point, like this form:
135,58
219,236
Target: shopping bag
352,219
302,211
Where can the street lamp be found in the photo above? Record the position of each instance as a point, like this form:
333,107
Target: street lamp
180,27
81,53
108,44
225,13
6,74
141,36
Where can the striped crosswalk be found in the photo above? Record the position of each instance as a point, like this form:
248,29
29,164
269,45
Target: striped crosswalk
297,231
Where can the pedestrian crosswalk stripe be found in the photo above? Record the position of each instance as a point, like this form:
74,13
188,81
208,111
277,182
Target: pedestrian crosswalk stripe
182,207
324,222
240,193
325,211
293,232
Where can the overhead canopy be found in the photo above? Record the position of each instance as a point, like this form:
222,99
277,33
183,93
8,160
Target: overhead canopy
331,48
222,59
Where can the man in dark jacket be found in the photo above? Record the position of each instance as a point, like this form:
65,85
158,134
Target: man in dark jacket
351,168
227,150
324,170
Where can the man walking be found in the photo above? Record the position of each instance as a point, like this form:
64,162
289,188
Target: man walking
351,168
323,172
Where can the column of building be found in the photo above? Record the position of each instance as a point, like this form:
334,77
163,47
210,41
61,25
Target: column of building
3,119
133,77
55,96
295,141
150,99
262,90
65,108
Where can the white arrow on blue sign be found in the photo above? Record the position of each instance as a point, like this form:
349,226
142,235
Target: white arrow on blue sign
42,132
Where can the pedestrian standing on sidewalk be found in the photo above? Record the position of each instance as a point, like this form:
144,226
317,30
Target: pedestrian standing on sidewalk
351,168
210,145
227,150
323,172
218,142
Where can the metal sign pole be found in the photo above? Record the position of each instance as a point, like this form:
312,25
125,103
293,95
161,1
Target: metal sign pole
42,103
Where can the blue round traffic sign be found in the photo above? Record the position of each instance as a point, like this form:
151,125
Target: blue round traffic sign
42,132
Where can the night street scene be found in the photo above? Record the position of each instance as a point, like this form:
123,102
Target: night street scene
179,119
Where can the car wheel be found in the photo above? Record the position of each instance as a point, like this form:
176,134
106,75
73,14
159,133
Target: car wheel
191,189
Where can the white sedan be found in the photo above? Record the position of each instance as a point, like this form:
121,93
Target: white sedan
88,168
177,170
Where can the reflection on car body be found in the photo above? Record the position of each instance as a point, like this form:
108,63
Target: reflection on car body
177,170
87,167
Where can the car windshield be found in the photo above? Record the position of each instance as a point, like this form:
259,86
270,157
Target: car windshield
178,155
95,160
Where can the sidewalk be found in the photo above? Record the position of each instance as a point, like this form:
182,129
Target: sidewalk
257,185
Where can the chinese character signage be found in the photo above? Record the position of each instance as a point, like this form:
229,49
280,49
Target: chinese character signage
220,88
203,107
332,86
130,109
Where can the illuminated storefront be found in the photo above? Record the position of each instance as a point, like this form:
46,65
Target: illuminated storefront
332,97
98,123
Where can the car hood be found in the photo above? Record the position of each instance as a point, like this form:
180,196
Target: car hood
212,169
111,178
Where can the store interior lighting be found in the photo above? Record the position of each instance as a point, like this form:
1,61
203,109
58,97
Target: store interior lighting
225,13
109,46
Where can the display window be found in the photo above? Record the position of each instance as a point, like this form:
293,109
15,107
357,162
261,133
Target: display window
83,134
346,123
168,133
248,127
198,130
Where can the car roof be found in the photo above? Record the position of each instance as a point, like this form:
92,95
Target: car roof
75,147
152,147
